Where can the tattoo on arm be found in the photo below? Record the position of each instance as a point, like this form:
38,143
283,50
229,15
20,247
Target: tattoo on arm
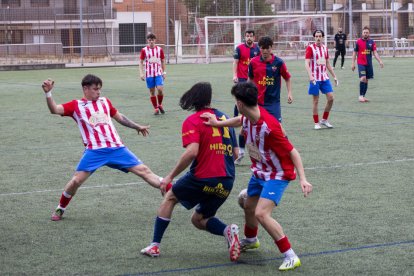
127,122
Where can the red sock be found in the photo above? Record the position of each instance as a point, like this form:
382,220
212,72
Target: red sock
64,200
325,115
283,244
154,101
316,118
250,232
160,98
169,186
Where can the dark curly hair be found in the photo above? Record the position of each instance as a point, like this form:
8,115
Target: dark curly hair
197,98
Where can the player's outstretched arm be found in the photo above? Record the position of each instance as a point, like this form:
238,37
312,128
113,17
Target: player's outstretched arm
123,120
212,121
297,162
54,108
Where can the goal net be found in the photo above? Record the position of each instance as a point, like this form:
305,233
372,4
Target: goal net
219,35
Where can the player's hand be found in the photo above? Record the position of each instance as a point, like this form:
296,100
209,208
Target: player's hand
353,67
336,82
144,130
235,79
381,64
290,98
142,77
164,183
313,81
211,118
47,85
306,187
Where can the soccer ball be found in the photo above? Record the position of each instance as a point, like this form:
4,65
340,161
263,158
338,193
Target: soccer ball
242,198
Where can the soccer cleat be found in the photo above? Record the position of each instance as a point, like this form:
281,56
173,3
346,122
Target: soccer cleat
57,214
325,123
290,263
342,67
151,250
317,126
156,111
232,237
361,99
247,245
161,109
239,159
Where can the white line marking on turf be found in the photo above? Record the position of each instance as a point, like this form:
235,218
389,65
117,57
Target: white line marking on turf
142,182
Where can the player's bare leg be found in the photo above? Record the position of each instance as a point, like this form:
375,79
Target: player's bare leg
145,173
315,102
160,97
154,102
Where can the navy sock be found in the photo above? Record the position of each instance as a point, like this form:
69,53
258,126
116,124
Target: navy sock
215,226
242,142
365,88
361,88
159,229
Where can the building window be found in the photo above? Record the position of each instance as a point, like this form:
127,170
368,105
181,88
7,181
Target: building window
379,25
97,3
39,3
11,37
10,3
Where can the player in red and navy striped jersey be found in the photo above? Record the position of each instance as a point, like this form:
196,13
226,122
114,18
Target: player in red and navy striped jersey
266,71
208,183
103,146
242,56
365,47
155,73
274,161
316,64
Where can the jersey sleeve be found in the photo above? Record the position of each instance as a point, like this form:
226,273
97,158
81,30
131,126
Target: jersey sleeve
308,53
284,72
142,56
162,56
112,109
69,108
250,70
236,54
279,143
190,133
356,49
374,46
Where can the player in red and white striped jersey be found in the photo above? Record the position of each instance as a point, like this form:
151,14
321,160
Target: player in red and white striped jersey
274,161
154,72
316,63
103,145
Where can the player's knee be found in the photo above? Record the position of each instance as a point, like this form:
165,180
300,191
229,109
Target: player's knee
260,215
197,221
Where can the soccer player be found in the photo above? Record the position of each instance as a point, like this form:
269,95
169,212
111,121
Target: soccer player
242,56
266,71
316,63
274,161
364,48
341,43
103,146
208,183
154,72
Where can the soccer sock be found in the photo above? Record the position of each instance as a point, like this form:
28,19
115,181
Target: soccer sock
283,244
316,118
325,115
242,142
342,61
250,232
361,88
160,226
64,200
365,88
160,98
154,101
215,226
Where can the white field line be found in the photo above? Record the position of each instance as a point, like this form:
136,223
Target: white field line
245,173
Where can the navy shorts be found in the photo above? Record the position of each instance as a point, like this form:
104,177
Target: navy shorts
117,158
274,110
208,194
324,86
155,81
366,71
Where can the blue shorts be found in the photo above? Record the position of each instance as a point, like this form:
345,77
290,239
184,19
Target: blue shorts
117,158
207,193
274,110
366,71
155,81
270,189
324,86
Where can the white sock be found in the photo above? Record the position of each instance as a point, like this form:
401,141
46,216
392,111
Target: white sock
241,150
290,254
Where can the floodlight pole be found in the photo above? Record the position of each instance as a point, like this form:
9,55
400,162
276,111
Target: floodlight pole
350,19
